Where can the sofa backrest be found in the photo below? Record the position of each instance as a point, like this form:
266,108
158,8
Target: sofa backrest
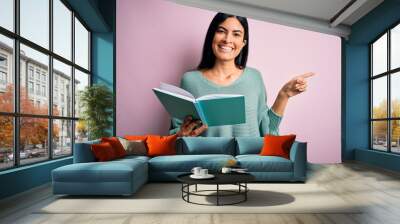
83,153
206,145
249,145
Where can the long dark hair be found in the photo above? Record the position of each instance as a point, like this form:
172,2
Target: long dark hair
208,57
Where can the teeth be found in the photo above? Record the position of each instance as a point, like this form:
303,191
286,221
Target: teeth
225,49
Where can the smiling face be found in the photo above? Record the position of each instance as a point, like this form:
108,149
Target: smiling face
228,40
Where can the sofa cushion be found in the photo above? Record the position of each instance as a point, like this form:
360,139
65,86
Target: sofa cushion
116,145
185,163
161,145
277,145
257,163
206,145
134,147
249,145
103,152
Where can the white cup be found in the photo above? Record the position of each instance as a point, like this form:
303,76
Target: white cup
203,172
226,170
196,170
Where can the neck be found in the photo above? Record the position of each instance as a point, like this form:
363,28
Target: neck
224,69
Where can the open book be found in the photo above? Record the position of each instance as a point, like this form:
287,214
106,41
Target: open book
212,109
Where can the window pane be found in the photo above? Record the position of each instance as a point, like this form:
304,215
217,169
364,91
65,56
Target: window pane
6,142
33,140
395,47
35,21
7,14
62,138
62,89
379,55
395,136
62,29
379,97
34,79
81,81
395,94
6,74
379,135
81,131
81,45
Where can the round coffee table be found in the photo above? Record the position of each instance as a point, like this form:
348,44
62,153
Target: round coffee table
238,179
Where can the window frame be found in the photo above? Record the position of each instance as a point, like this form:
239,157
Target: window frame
388,74
15,72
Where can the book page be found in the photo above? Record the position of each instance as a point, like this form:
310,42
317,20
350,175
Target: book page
175,94
218,96
176,90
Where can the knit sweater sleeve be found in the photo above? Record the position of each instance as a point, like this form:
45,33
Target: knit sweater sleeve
269,121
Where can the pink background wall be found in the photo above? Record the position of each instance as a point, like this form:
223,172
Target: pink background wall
157,41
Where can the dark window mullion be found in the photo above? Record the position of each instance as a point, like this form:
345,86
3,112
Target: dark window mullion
16,84
50,87
371,139
389,115
73,82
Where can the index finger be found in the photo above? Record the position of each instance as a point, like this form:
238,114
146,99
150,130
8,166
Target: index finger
307,75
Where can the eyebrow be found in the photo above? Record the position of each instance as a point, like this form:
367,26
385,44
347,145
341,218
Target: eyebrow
238,31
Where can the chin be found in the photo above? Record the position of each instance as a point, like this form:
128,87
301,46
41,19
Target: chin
225,57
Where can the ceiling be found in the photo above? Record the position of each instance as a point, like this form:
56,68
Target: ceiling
326,16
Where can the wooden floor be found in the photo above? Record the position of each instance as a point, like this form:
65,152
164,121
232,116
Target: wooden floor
377,188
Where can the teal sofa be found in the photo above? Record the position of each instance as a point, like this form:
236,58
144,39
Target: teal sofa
125,176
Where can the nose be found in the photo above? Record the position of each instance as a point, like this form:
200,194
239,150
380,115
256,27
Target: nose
228,38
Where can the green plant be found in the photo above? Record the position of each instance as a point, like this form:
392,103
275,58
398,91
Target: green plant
96,102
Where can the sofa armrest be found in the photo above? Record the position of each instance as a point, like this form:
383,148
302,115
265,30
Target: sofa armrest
298,155
83,152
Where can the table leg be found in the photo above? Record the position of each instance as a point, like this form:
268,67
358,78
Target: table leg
217,194
196,188
245,191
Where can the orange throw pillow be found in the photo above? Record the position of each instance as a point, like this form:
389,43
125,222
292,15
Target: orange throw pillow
161,145
277,145
116,145
135,137
103,152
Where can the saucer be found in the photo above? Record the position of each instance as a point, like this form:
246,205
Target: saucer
208,176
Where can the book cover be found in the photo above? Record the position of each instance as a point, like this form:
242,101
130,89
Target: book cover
212,109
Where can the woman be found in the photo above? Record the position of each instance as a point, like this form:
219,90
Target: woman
223,70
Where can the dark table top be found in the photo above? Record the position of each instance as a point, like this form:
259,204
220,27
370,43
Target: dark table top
220,178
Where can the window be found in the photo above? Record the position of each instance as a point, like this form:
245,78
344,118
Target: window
44,131
3,71
30,72
44,91
38,89
3,61
38,74
385,91
30,87
3,78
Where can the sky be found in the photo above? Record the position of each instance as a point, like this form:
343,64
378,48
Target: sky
380,66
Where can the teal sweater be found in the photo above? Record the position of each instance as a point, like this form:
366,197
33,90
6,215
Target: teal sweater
260,120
